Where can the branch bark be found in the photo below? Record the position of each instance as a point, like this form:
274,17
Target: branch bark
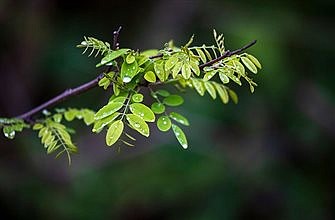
94,83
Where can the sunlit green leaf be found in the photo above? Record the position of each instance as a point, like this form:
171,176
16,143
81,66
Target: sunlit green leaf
176,69
173,100
254,60
233,96
164,123
171,62
113,55
128,71
37,126
9,132
239,68
116,89
100,124
88,116
186,71
250,65
199,86
210,89
195,68
108,109
224,78
210,74
138,124
114,132
190,41
70,114
57,117
201,55
142,111
160,70
130,58
230,74
158,108
137,97
222,93
150,76
178,132
179,118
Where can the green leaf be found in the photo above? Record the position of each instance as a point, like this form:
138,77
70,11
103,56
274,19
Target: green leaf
130,58
9,132
210,74
179,118
171,62
195,68
199,86
142,111
150,76
163,93
70,114
173,100
210,89
159,70
128,71
239,68
250,65
113,55
207,53
116,89
201,55
120,98
138,124
164,123
88,116
230,74
254,60
186,71
178,132
137,97
57,117
114,132
224,78
222,93
141,59
100,124
104,82
37,126
189,42
233,96
176,69
108,109
158,108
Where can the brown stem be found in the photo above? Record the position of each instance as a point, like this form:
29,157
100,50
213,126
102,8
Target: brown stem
227,54
61,97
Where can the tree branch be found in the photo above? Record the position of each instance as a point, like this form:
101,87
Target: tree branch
228,54
61,97
116,38
94,83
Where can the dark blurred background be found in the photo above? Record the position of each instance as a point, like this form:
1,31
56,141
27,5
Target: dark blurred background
269,157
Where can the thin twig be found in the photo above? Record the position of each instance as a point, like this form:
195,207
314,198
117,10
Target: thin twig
116,38
227,54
